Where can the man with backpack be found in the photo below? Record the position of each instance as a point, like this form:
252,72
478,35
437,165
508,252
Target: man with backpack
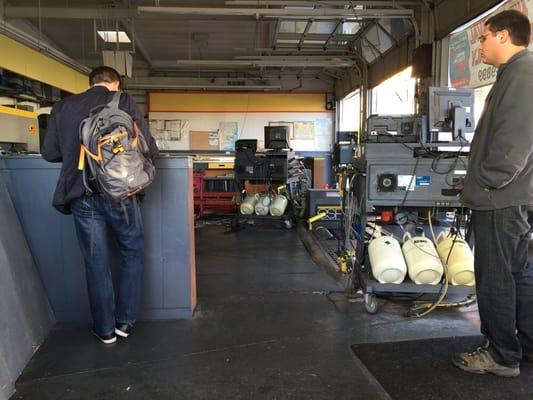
77,122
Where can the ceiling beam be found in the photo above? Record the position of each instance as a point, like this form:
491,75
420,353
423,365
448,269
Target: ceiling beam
285,48
139,12
129,27
304,33
322,3
281,12
69,12
335,62
148,86
333,33
316,36
293,58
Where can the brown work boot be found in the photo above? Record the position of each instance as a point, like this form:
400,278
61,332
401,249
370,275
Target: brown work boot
480,361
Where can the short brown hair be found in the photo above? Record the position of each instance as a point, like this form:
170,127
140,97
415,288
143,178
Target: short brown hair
104,74
514,22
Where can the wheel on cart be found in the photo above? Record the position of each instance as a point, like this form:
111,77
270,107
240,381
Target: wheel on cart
371,303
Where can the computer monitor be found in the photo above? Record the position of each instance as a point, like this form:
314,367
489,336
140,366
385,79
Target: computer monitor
246,144
276,137
451,110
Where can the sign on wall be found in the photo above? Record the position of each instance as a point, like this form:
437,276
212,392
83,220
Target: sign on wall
228,132
466,67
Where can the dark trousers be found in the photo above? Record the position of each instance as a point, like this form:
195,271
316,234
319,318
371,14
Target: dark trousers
93,216
504,281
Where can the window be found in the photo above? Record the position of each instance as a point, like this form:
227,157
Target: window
349,112
395,96
479,100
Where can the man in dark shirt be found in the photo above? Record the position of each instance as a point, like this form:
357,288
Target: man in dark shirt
93,214
499,190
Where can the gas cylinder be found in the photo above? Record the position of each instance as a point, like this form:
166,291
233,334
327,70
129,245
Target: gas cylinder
247,206
386,260
261,207
456,253
278,205
423,262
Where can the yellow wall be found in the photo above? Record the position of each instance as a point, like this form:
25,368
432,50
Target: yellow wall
25,61
236,102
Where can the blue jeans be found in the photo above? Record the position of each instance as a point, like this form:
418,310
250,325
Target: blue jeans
93,215
504,281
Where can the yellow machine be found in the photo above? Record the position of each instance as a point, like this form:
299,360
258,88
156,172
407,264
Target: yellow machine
19,127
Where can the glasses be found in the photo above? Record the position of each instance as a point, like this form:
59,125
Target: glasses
484,37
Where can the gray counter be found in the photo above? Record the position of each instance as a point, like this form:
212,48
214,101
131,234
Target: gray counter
169,285
25,314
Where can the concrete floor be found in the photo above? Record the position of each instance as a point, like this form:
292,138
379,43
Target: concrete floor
270,324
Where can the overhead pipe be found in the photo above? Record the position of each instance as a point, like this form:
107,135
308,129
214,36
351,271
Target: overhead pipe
69,12
120,13
328,3
148,86
293,58
280,12
339,63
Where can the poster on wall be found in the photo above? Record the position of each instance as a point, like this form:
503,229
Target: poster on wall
323,134
304,130
227,134
170,134
466,67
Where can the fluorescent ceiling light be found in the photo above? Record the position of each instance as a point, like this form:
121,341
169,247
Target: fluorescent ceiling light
314,41
299,7
288,41
114,36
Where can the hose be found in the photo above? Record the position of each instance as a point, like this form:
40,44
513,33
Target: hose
444,290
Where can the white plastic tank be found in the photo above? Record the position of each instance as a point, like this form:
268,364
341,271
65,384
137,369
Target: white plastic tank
423,262
456,253
261,207
278,205
386,260
247,206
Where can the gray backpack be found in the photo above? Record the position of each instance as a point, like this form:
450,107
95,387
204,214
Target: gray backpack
114,156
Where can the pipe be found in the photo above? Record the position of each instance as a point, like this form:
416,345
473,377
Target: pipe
280,12
121,13
148,86
265,63
322,3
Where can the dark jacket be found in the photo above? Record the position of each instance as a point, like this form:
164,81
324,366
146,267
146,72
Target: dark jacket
62,140
500,168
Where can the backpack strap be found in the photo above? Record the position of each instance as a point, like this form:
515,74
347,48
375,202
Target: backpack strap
115,100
